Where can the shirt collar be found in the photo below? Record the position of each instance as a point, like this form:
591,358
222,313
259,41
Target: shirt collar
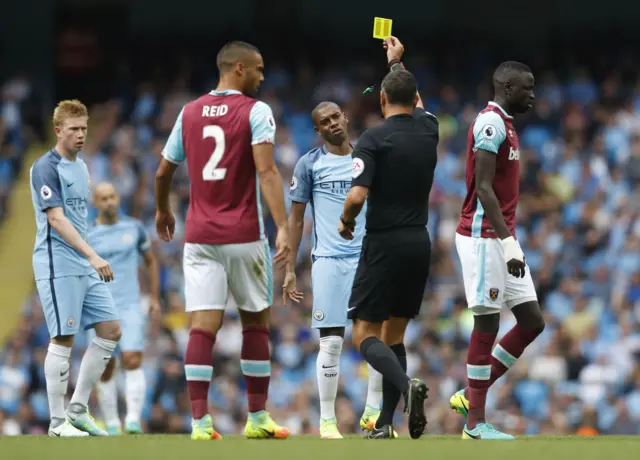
495,104
226,92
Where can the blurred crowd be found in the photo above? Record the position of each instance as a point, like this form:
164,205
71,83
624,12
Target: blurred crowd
578,223
14,92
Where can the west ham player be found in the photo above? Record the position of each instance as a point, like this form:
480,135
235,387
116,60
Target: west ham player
322,177
493,265
122,240
227,138
70,275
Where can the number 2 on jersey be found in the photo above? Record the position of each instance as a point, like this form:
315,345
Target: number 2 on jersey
210,170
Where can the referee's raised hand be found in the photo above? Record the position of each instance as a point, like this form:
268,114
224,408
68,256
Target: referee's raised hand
395,49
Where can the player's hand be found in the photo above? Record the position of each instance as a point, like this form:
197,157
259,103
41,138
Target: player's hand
155,308
283,247
394,48
514,257
290,289
165,225
346,231
102,267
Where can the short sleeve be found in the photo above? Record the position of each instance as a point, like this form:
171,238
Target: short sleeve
429,119
144,242
489,132
46,183
263,126
363,166
174,148
301,185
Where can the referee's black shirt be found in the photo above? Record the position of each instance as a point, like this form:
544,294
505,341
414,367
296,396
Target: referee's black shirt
396,161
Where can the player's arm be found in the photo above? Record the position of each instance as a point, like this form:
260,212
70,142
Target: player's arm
172,155
362,173
152,268
489,133
263,130
300,191
46,182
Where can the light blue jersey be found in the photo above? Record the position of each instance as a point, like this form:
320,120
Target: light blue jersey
59,182
324,179
263,129
121,244
71,292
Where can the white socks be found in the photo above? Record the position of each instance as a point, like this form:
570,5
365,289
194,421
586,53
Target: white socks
136,388
374,389
108,400
328,370
93,365
56,372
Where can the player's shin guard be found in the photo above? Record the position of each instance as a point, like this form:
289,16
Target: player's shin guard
255,361
509,349
199,370
374,389
93,364
56,373
328,371
136,387
478,373
108,401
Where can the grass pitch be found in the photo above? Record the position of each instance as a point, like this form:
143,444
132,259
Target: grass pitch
161,447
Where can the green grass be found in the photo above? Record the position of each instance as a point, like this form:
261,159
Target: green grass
311,448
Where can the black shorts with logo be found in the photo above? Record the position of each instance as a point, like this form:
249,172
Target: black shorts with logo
391,276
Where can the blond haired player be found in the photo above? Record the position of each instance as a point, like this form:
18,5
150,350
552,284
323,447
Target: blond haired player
70,276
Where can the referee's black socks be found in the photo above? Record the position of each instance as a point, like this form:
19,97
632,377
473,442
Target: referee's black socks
390,394
384,360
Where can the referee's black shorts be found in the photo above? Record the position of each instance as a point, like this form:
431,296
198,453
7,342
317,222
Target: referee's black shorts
391,276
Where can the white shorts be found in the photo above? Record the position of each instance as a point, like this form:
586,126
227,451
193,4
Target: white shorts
487,283
211,271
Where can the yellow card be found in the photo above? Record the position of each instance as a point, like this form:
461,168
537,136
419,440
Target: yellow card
382,28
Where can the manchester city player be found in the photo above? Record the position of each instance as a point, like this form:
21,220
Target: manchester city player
70,275
121,241
322,177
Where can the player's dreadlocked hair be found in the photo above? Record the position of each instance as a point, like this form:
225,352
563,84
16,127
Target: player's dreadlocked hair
68,109
502,72
232,53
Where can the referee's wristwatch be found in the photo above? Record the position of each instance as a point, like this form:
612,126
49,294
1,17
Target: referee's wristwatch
348,223
395,64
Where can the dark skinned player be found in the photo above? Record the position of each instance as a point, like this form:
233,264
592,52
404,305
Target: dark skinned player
493,264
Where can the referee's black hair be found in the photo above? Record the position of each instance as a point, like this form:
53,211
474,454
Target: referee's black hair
401,87
234,52
501,74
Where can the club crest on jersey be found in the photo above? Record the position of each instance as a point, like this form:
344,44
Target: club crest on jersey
70,321
127,238
514,154
318,315
493,293
489,131
294,183
45,192
357,168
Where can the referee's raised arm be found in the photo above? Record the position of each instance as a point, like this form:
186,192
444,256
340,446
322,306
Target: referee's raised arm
392,170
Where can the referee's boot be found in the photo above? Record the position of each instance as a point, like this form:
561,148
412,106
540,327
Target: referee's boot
384,432
414,399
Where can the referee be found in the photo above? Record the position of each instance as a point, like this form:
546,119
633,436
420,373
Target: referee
393,165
